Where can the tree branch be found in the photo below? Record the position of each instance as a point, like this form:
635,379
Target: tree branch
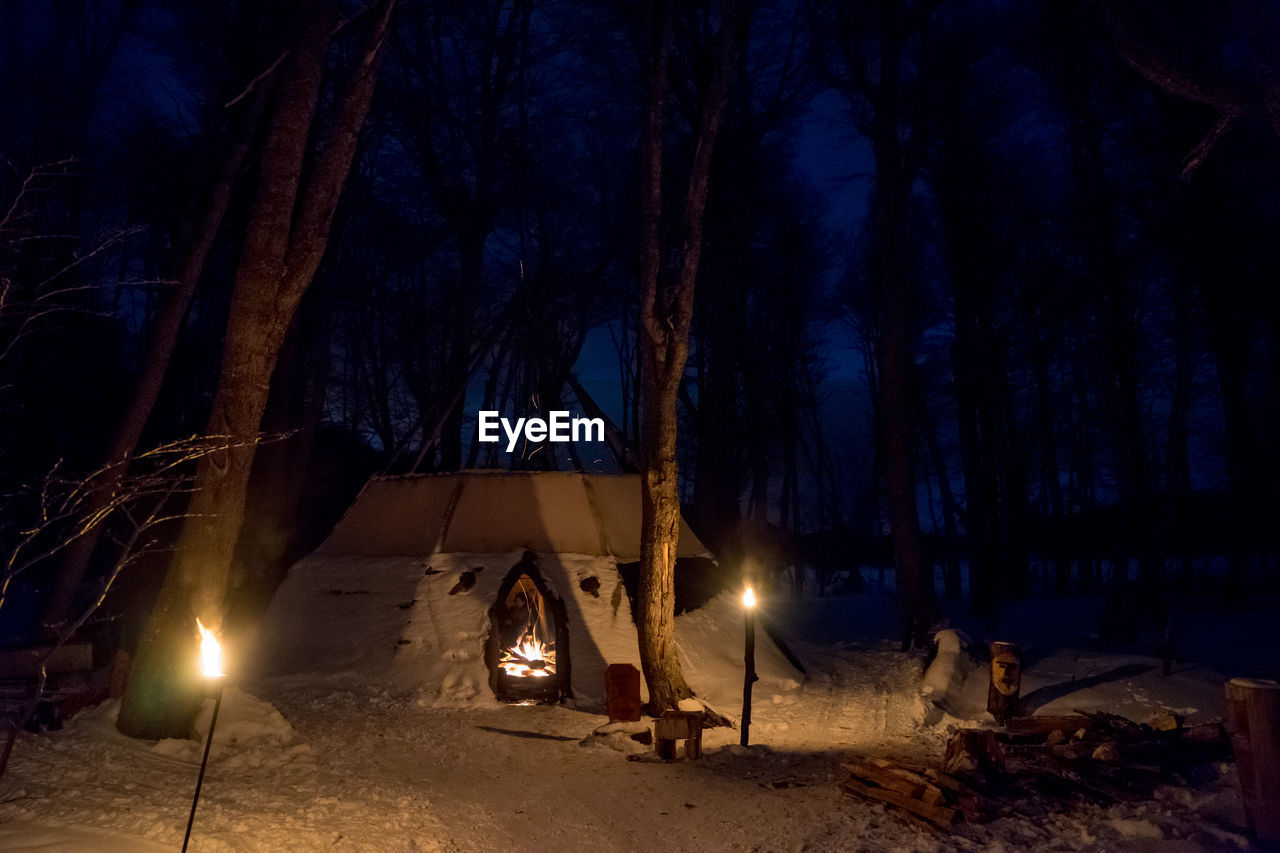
1201,152
1157,69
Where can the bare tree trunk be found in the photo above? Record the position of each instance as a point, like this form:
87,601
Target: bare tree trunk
666,311
716,481
1050,484
915,589
1177,464
286,239
952,578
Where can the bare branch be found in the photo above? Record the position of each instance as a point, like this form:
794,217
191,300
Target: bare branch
247,90
1201,152
45,171
1158,69
1231,103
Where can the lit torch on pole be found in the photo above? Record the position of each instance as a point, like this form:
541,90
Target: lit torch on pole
211,666
749,659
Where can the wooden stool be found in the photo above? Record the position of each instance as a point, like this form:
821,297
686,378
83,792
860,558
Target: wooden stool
678,725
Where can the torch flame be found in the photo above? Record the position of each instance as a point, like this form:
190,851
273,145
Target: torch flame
210,653
749,597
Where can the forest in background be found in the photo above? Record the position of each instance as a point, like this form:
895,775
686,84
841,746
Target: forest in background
1057,295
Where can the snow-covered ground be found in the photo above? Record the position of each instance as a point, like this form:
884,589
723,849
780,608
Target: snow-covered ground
335,762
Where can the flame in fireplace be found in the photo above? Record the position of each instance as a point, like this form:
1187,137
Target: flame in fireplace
529,658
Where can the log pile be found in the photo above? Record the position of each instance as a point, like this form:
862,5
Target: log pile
1105,757
925,792
1055,760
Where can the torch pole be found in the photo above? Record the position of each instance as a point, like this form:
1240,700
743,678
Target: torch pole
208,741
749,676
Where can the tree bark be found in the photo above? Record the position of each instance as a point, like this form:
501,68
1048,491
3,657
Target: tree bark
666,311
286,238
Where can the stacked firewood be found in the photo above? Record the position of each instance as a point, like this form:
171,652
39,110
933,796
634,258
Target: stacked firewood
1104,757
923,791
1096,757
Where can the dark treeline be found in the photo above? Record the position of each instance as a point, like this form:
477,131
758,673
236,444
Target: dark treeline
1056,290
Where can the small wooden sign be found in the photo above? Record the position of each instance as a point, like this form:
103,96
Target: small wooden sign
622,692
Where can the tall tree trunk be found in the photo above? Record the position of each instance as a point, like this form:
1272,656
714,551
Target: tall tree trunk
1050,482
1177,464
271,538
915,589
952,579
715,476
1245,452
286,238
666,311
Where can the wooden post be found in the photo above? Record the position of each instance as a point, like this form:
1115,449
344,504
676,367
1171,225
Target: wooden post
1253,721
749,671
1006,681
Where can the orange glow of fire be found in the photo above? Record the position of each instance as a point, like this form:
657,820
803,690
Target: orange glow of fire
210,653
529,658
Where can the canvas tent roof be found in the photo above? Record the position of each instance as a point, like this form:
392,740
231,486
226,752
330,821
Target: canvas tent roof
495,511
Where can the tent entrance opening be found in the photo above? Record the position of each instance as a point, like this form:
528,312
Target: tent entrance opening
528,642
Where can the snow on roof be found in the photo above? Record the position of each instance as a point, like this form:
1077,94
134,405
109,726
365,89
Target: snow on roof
495,511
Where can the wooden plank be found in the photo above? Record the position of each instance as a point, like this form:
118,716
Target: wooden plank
910,773
1205,733
1027,751
892,774
1046,724
949,782
917,767
933,796
883,778
671,728
936,814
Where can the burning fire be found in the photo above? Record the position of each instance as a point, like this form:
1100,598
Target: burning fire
529,658
210,653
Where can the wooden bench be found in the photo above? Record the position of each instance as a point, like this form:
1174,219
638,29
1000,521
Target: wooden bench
678,725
